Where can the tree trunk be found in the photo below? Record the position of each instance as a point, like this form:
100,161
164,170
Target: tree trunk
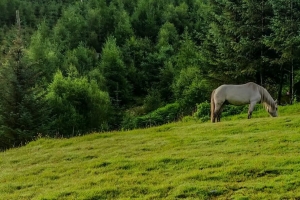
280,86
292,83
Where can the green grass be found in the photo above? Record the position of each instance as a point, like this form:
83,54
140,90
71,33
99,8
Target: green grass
234,159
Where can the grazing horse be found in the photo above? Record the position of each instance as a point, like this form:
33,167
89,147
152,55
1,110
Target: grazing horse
249,93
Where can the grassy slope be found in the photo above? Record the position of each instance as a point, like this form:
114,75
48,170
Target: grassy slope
234,159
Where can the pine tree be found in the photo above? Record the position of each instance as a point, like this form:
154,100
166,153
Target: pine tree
189,84
114,70
23,111
234,49
285,40
136,56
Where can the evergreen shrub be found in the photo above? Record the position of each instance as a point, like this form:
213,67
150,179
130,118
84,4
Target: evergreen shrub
163,115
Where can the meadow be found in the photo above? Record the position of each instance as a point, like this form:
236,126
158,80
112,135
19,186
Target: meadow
235,159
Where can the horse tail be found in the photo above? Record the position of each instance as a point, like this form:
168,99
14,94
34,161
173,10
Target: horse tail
212,106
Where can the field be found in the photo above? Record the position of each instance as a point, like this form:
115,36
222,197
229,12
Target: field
234,159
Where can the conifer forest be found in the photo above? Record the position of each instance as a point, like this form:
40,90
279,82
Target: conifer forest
72,67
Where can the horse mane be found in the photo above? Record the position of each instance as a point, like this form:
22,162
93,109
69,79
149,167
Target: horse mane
266,98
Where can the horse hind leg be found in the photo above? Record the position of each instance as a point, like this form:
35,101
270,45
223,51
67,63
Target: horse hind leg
219,117
215,114
218,111
215,117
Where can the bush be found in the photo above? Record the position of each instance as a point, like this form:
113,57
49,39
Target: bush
189,88
152,101
203,111
163,115
233,110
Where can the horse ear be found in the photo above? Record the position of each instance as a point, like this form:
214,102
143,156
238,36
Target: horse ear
276,101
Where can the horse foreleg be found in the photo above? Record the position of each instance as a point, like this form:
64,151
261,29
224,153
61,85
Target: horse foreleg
250,110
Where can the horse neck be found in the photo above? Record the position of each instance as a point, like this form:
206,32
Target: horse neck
266,98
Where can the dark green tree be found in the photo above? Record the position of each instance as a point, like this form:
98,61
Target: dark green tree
285,41
166,49
98,23
114,70
222,38
234,50
135,54
79,106
199,13
147,18
71,29
24,113
189,85
178,15
82,58
7,10
44,53
121,23
188,54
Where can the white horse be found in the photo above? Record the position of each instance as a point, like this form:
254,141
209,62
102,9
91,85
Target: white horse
249,93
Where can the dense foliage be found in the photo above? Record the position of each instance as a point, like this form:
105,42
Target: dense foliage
73,67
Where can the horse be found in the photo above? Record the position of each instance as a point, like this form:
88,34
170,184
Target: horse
249,93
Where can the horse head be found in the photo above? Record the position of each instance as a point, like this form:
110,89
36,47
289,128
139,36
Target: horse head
272,109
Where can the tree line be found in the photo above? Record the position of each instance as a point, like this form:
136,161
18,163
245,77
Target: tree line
74,67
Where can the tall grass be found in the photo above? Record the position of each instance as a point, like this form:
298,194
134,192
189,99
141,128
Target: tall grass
234,159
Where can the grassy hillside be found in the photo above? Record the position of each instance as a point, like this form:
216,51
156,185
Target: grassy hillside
234,159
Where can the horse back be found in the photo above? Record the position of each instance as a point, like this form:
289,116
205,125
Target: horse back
238,94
